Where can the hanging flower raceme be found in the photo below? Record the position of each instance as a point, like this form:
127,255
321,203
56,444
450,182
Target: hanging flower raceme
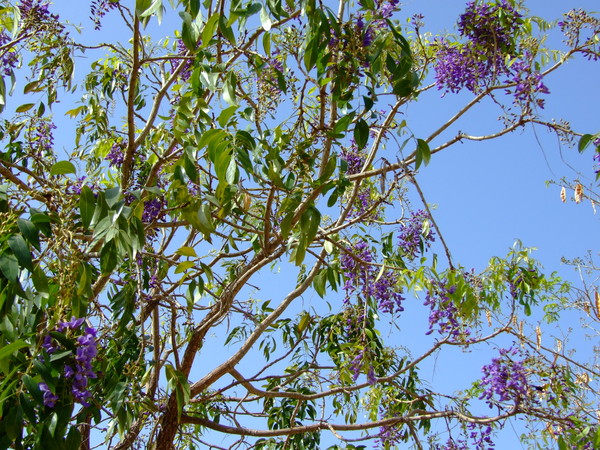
490,30
505,379
489,54
444,315
77,367
416,235
363,279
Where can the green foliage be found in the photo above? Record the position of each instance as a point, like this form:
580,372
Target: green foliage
229,204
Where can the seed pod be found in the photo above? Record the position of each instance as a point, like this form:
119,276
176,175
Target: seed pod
538,335
597,303
578,193
563,194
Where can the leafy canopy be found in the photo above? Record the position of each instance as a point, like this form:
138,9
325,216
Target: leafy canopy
211,225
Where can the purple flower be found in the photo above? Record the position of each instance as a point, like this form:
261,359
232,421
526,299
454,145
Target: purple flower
414,236
116,155
69,372
49,397
42,138
186,71
98,10
387,8
490,30
356,365
35,10
444,314
353,158
528,84
152,210
361,279
79,370
48,344
9,57
73,324
371,376
490,26
505,379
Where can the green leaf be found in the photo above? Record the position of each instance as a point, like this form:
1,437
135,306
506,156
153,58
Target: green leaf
584,141
209,30
29,232
309,223
184,265
87,206
25,107
194,8
188,32
152,9
204,215
226,115
2,94
73,438
342,125
265,20
9,266
361,133
423,154
226,30
231,175
229,89
187,251
108,258
62,168
9,349
40,280
21,251
32,86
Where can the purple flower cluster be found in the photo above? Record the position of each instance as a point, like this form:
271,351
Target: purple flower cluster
364,201
354,158
490,29
98,10
49,397
415,237
389,435
80,370
386,8
8,57
480,436
364,205
443,312
528,84
490,26
116,155
36,12
574,27
357,364
42,139
505,379
76,186
362,279
186,71
459,67
152,210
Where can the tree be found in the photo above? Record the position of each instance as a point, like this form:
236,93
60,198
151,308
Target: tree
252,149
